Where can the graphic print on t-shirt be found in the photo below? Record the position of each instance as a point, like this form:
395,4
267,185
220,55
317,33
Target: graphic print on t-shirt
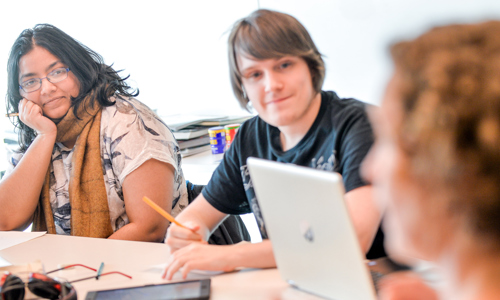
254,205
325,165
319,163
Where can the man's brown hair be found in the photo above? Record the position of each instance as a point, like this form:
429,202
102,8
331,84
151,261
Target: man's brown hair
266,34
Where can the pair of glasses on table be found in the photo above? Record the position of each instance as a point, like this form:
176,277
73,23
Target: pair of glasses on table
12,287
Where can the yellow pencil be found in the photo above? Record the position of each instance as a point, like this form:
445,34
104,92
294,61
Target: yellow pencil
162,212
12,115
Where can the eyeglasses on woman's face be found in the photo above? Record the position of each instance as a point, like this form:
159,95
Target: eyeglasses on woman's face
35,84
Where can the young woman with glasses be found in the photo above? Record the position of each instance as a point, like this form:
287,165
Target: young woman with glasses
88,148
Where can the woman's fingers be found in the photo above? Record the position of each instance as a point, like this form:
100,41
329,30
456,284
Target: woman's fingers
31,114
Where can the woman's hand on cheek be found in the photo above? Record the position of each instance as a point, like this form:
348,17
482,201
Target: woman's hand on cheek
32,115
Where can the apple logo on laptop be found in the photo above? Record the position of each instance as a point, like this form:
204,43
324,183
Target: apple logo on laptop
306,231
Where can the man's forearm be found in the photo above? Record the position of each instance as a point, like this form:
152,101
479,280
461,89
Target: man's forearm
257,255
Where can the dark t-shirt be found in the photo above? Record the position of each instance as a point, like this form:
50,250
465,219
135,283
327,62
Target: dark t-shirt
338,141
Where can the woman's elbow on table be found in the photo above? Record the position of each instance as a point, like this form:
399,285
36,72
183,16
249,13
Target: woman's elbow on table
10,225
142,231
157,233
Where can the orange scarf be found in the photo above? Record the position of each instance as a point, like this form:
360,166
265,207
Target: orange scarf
87,192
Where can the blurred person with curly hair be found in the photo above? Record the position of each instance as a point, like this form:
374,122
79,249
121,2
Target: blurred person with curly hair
435,164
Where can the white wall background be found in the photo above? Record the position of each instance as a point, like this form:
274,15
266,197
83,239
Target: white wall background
175,51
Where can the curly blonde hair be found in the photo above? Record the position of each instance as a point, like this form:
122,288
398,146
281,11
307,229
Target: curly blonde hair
451,117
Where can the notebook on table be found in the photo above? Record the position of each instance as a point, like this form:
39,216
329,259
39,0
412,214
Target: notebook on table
314,242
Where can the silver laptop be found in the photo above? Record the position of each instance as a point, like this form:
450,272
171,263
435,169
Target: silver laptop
314,242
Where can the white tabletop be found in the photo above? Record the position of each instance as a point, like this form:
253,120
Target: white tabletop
140,260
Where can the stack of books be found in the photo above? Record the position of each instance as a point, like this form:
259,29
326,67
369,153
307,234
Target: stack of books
191,131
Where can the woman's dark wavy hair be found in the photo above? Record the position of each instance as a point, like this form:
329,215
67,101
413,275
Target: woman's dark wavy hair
94,76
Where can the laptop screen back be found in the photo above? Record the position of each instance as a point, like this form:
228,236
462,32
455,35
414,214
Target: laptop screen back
314,242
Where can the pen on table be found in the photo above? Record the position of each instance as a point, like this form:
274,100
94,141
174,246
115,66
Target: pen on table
162,212
100,271
12,115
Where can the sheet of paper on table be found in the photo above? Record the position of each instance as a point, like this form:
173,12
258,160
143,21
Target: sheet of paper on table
4,263
194,274
12,238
